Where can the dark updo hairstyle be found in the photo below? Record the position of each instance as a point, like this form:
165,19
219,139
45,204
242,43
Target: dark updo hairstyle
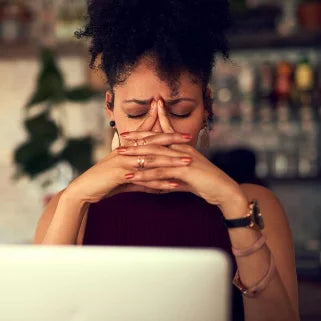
180,35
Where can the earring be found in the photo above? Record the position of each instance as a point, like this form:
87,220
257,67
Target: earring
205,139
116,140
115,143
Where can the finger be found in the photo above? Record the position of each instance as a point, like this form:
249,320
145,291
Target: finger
159,173
181,148
158,184
161,139
149,121
141,187
189,150
136,141
137,134
153,161
164,121
151,150
164,185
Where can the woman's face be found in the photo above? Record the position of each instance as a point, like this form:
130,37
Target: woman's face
135,95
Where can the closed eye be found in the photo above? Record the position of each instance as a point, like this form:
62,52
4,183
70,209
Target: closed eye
174,115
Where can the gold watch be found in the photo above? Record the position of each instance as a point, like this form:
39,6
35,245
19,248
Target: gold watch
253,219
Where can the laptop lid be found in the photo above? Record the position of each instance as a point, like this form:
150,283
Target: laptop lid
111,283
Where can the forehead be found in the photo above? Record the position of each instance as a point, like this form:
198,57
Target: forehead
144,82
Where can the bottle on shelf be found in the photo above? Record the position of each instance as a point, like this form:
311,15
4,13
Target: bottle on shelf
283,81
277,106
288,23
285,162
303,83
308,144
47,21
15,21
269,140
304,77
246,125
265,81
246,80
9,21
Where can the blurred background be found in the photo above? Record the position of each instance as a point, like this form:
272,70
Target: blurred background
266,127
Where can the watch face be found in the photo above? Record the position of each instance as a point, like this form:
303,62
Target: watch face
257,215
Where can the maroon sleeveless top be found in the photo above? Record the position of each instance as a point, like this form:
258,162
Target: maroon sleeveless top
177,219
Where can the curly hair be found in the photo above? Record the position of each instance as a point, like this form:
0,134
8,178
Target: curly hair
180,35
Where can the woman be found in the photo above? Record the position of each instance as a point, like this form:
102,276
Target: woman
158,59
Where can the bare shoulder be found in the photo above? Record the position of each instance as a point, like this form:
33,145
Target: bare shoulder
276,223
279,236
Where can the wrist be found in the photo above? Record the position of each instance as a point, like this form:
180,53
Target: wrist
70,196
235,207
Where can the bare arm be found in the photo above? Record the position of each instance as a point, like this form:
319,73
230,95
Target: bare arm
61,221
279,301
64,219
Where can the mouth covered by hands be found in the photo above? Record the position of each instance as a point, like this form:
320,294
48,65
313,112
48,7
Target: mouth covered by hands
154,147
171,164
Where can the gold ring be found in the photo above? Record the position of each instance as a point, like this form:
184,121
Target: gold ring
141,162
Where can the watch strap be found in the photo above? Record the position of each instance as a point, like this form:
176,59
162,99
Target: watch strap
253,218
238,222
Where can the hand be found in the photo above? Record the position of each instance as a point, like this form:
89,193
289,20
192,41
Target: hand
201,177
143,131
107,177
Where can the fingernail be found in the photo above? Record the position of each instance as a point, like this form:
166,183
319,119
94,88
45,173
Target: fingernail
130,175
121,149
187,136
160,103
186,160
173,184
124,133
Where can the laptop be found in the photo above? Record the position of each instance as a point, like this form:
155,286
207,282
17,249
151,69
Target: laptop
114,283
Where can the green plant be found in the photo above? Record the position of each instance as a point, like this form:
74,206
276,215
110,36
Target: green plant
34,156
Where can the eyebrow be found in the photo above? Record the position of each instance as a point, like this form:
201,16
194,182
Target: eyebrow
167,102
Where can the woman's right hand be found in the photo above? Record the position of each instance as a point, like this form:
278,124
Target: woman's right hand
107,177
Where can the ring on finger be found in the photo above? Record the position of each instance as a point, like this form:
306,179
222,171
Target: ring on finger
141,162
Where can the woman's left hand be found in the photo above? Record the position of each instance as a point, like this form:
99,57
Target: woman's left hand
201,177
